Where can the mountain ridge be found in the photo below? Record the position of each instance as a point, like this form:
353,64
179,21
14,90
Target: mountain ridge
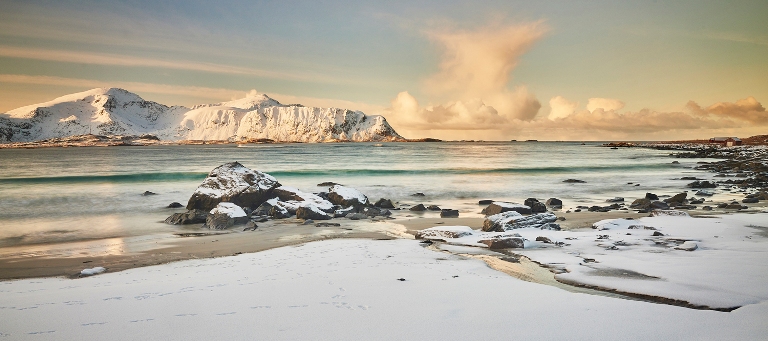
115,111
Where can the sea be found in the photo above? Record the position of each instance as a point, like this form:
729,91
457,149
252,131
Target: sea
72,195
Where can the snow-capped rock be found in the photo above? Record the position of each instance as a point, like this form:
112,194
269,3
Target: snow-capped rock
500,207
235,183
442,232
224,215
346,196
286,193
257,116
509,221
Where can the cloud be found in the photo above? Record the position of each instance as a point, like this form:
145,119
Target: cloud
561,107
606,104
471,86
125,60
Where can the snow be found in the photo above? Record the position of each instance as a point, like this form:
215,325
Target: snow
716,261
112,111
510,204
230,179
343,290
309,199
230,209
348,194
92,271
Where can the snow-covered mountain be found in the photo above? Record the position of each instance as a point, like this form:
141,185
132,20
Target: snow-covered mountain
257,116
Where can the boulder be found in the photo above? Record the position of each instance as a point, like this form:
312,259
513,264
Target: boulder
384,203
616,199
375,211
235,183
659,205
327,184
225,215
554,202
290,194
750,200
279,212
485,202
509,221
449,213
642,204
188,217
346,196
671,213
344,211
174,205
677,198
500,207
418,194
574,181
443,232
418,208
356,216
433,208
504,243
702,184
543,239
651,196
148,193
705,193
535,205
311,212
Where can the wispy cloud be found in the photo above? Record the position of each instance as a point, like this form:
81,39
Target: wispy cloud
124,60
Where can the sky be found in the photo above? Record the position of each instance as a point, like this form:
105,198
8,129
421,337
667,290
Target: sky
482,70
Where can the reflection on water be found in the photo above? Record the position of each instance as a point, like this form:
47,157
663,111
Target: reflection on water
90,248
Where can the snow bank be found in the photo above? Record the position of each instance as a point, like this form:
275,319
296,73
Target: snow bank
342,290
92,271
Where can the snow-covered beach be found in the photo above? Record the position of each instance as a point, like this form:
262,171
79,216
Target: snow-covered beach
343,290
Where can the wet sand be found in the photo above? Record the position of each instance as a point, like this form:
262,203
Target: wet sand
194,243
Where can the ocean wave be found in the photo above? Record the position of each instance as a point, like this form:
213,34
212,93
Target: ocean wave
112,178
189,176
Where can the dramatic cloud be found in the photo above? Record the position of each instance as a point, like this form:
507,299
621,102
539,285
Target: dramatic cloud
597,123
472,80
606,104
561,107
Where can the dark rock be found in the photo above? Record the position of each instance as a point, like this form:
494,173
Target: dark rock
384,203
554,202
696,201
418,208
251,226
707,208
677,198
651,196
675,162
433,208
375,211
750,200
642,204
543,239
418,194
279,212
233,182
174,205
485,202
616,199
574,181
735,206
501,207
148,193
535,205
221,221
356,216
327,225
313,213
263,209
689,178
705,193
659,205
188,217
722,205
327,184
702,184
504,243
657,234
449,213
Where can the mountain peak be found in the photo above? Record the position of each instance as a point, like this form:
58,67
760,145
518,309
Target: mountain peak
253,100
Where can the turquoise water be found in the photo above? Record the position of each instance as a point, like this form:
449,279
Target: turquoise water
68,194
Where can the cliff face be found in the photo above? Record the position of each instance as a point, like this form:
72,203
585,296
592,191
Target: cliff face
117,111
